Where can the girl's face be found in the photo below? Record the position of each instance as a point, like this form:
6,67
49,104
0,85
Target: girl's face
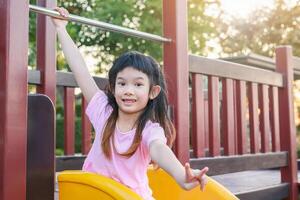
131,90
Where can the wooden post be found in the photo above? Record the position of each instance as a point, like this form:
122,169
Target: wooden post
46,51
284,65
69,121
86,128
177,72
198,127
13,98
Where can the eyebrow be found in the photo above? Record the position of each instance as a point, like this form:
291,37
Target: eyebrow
137,78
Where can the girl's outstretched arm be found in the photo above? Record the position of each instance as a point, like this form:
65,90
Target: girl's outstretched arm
186,177
74,58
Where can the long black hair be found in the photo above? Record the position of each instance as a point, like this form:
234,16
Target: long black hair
155,110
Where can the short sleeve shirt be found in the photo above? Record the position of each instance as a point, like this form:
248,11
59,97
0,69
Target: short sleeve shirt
131,171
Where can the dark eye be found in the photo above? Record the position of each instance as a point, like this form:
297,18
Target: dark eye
121,83
139,84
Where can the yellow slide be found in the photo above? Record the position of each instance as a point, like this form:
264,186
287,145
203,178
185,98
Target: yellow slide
78,185
165,187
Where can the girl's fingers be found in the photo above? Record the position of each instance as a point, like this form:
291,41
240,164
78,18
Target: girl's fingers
202,172
199,176
62,11
203,183
188,172
202,178
65,12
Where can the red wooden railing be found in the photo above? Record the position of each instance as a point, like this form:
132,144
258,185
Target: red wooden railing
228,108
270,125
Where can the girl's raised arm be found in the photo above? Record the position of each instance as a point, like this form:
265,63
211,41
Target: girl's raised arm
74,58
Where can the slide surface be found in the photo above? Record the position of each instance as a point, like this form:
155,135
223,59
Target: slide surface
165,187
77,185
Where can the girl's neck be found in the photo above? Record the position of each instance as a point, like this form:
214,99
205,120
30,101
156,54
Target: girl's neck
127,122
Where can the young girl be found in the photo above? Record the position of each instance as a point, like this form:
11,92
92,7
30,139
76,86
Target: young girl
130,120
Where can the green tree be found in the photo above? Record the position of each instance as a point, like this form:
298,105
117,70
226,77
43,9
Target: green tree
262,31
136,14
143,15
202,26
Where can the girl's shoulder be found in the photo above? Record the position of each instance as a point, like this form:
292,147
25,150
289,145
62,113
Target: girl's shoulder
152,125
98,109
153,131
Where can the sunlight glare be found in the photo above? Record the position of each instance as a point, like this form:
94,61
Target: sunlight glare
243,8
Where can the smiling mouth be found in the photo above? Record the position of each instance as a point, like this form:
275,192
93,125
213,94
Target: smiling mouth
128,100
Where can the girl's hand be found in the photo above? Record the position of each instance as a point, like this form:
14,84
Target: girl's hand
61,22
196,175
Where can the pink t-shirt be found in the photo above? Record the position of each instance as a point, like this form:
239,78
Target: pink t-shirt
131,171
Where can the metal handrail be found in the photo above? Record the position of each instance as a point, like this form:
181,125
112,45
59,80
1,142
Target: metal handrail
101,25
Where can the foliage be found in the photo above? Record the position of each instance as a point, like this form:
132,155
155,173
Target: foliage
143,15
261,32
201,25
104,46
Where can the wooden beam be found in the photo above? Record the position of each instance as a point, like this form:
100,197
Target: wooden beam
284,65
229,164
69,121
176,70
276,192
40,148
46,51
255,60
69,162
13,98
198,129
221,68
86,129
63,79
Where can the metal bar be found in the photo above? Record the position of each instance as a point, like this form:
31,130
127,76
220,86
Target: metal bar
101,25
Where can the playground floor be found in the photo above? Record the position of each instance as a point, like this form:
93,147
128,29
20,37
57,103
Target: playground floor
240,182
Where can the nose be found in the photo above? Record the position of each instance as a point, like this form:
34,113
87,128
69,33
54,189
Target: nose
129,90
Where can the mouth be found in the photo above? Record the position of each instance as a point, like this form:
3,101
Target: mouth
128,100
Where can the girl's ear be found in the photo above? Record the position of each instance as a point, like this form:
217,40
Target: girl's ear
155,90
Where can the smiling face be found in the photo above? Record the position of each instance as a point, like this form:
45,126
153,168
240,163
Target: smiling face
131,90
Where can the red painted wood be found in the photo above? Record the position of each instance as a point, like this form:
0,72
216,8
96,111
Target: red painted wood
253,117
214,116
206,125
69,121
235,117
46,51
228,116
274,118
176,70
284,65
241,98
86,129
13,98
264,118
198,128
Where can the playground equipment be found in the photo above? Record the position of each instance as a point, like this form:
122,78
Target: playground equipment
102,25
271,92
76,185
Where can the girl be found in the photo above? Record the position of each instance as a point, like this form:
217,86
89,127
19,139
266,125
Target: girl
130,120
